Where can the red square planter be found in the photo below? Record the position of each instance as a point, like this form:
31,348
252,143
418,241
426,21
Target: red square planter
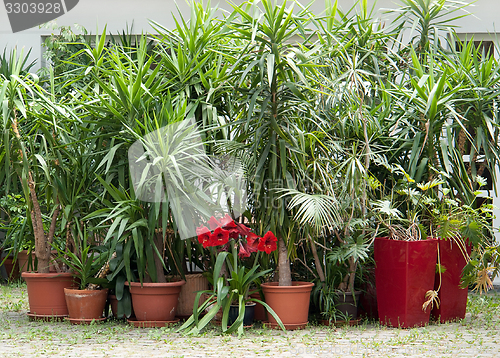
453,298
404,272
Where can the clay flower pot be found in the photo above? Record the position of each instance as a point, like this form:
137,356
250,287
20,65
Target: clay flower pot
85,306
404,272
46,293
155,301
290,303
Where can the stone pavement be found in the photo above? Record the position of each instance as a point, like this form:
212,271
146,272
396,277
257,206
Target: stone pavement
476,336
22,338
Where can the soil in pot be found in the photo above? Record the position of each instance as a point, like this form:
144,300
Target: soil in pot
155,301
46,293
404,273
85,305
290,303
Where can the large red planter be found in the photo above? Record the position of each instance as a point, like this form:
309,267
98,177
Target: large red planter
46,293
155,301
290,303
453,298
404,272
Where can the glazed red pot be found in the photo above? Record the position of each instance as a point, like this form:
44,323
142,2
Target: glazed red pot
404,272
155,301
290,303
453,298
46,293
85,304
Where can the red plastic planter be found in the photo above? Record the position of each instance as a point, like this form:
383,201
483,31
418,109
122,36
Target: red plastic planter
453,298
404,272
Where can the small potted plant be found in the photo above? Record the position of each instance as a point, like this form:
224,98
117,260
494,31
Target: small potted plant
231,281
85,303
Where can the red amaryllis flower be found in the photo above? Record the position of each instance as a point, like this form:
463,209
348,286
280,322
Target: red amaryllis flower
253,242
219,237
227,222
268,243
243,251
242,229
203,236
213,223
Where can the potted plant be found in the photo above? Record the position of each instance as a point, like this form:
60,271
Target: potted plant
463,230
406,257
32,159
85,303
231,242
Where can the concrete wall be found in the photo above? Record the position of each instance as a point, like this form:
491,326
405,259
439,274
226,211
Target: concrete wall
117,14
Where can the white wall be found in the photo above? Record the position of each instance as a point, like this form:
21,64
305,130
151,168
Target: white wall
116,14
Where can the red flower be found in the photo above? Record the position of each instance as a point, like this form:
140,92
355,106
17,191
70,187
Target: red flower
242,229
203,236
243,251
253,242
219,237
213,223
268,243
227,222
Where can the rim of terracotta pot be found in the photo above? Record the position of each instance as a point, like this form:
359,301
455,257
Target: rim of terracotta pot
46,275
297,286
85,292
149,284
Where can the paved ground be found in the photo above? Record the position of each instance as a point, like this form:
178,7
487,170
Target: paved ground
476,336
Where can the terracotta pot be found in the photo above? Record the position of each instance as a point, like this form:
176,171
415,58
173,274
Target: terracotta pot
155,301
453,298
12,269
46,292
260,312
26,266
348,304
194,283
85,304
113,302
404,272
290,303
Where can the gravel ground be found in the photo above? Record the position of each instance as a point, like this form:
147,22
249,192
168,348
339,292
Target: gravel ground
476,336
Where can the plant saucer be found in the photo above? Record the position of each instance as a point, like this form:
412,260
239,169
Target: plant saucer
288,327
85,320
45,318
151,324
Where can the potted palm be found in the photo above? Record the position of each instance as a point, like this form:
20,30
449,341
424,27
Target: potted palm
271,112
32,157
86,302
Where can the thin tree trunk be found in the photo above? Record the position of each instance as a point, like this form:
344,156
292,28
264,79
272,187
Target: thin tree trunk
317,261
285,274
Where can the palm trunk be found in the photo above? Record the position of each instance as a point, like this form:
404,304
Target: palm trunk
285,274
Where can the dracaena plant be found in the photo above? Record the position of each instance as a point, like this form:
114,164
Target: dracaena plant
232,243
